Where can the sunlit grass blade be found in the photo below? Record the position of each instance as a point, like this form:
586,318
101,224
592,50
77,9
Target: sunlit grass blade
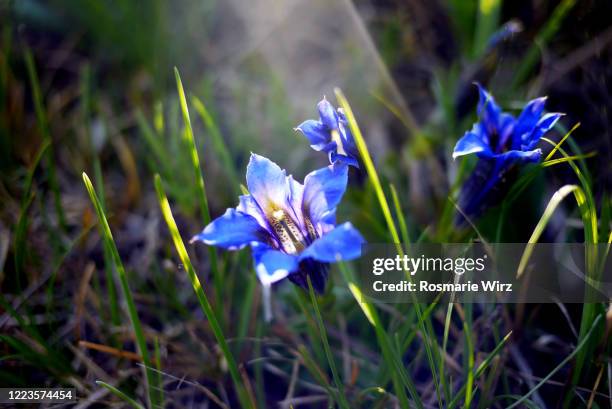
558,144
588,212
199,179
341,398
589,218
141,342
553,162
369,165
218,143
121,395
554,202
364,153
199,291
43,125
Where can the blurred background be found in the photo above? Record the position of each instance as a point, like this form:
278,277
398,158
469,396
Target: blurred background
89,86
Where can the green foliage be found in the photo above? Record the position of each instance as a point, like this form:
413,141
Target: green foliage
349,350
109,242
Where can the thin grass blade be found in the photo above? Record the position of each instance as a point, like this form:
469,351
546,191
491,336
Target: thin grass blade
121,395
203,199
199,291
341,398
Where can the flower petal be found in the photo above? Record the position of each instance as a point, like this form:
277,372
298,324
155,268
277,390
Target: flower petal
343,159
233,230
544,125
505,131
348,141
327,222
249,206
267,183
323,190
471,142
342,243
272,265
488,110
328,114
316,132
529,117
510,157
296,197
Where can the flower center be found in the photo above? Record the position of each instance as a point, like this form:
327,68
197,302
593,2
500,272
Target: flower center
288,233
312,233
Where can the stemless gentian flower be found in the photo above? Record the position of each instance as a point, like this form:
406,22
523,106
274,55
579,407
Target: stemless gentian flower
501,142
290,227
331,134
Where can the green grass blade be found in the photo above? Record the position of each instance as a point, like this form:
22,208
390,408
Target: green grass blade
247,310
487,22
447,322
218,143
401,379
152,138
41,117
384,205
369,165
561,364
203,199
141,342
558,144
22,223
543,37
158,371
99,185
400,217
312,330
481,368
341,398
572,158
554,202
470,378
108,257
314,369
589,210
199,291
121,395
525,402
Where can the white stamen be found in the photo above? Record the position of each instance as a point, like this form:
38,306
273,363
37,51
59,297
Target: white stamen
336,138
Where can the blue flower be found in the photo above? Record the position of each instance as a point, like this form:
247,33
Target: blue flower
500,141
290,227
331,134
500,136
